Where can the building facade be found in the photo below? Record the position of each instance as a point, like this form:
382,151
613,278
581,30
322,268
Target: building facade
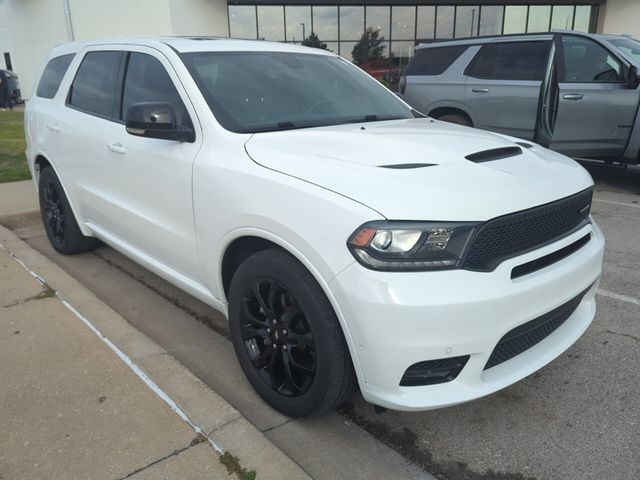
379,35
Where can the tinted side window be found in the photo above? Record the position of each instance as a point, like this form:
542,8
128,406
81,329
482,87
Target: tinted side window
52,76
587,61
147,81
434,61
93,89
510,61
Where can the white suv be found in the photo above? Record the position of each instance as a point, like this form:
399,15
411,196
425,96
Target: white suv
349,240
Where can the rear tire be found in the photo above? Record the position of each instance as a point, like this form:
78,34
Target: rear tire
456,118
58,219
287,337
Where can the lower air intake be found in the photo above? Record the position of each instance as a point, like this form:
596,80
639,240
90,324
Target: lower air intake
432,372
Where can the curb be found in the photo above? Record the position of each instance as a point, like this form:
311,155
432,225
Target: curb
195,402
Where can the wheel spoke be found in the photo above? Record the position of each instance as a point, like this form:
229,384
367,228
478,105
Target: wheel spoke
300,340
288,374
250,316
298,366
271,297
255,286
263,360
250,332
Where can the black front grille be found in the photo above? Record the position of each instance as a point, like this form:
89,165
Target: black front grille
517,233
529,334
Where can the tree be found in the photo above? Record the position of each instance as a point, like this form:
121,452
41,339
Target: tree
369,47
314,42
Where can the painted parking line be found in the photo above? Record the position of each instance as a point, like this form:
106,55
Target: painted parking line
613,202
618,296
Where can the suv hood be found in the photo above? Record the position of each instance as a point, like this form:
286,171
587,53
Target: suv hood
350,160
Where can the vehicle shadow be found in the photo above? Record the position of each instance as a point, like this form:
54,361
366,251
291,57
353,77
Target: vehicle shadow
616,179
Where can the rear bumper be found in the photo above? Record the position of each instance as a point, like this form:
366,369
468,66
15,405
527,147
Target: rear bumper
399,319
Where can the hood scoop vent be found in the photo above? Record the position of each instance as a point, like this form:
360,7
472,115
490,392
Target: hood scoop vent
407,166
494,154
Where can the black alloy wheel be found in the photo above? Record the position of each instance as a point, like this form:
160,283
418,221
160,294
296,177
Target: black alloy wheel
287,337
278,338
54,213
59,222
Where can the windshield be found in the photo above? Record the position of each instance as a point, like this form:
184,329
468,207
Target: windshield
627,45
251,92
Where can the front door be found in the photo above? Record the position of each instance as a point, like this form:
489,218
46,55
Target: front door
591,107
152,177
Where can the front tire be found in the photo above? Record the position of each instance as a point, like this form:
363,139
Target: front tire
59,222
456,118
287,337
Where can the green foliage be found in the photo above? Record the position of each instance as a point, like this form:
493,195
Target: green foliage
369,47
13,164
233,467
313,41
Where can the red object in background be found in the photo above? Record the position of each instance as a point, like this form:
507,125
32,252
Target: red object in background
381,69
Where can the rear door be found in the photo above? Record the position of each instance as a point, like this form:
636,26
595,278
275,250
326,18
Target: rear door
502,86
595,107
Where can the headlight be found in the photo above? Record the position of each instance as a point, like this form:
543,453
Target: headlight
411,245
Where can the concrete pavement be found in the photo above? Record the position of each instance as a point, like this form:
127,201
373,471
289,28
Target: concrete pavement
86,395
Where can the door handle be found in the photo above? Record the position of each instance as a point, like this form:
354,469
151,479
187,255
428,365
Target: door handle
54,127
573,96
117,147
480,90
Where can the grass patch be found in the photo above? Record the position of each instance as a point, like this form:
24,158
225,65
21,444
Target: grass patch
13,163
233,467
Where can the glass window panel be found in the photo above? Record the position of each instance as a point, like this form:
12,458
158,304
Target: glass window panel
53,75
426,22
401,53
378,18
295,16
562,17
515,19
332,46
491,20
242,21
94,86
587,61
583,16
435,60
351,23
346,50
325,23
444,25
271,23
403,25
539,18
467,21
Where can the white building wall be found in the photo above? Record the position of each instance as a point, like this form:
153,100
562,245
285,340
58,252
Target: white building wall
621,16
100,18
5,43
200,17
36,26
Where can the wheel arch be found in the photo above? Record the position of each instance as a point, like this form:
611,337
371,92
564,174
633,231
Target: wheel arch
448,110
42,161
245,242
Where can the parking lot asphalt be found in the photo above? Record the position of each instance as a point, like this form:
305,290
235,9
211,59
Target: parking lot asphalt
577,418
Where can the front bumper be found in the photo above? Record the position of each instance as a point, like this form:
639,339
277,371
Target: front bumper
397,319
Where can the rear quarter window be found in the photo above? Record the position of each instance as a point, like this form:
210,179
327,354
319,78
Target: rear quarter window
510,61
434,61
52,76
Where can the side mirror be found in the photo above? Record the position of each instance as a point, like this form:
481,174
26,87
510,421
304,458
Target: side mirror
633,79
156,120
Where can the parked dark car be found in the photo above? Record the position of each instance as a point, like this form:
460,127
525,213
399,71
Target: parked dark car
10,80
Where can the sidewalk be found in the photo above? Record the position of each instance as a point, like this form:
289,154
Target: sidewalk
87,396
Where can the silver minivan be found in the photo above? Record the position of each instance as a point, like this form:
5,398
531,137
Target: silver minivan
575,93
